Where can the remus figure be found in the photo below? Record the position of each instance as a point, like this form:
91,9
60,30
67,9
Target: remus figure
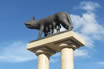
49,24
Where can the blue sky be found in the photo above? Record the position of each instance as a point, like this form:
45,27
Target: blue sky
87,17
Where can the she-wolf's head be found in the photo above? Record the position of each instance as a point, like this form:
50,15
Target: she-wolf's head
31,24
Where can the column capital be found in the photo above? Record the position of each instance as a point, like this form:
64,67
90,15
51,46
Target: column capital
68,45
44,50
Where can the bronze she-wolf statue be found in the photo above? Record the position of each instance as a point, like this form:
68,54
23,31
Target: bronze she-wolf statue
49,24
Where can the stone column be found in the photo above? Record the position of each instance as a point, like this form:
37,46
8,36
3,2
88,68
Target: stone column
67,61
43,58
65,43
43,61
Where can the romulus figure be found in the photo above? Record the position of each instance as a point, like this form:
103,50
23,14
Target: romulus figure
47,25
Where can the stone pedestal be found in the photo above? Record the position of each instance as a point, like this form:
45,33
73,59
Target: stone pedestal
65,43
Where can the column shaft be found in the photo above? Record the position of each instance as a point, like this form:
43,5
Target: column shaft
67,58
43,61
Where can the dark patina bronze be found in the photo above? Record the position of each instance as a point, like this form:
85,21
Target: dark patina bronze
50,23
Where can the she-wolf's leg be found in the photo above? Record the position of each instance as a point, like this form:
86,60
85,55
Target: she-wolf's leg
58,28
51,29
54,26
46,31
41,30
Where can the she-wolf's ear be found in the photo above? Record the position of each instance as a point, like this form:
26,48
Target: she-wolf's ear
33,18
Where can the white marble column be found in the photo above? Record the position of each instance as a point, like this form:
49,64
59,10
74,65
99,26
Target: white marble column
43,61
43,58
67,61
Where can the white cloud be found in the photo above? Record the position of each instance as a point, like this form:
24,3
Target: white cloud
53,60
16,52
88,27
100,62
81,53
89,6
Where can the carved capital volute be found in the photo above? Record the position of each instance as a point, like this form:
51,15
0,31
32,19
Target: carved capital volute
45,51
67,45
